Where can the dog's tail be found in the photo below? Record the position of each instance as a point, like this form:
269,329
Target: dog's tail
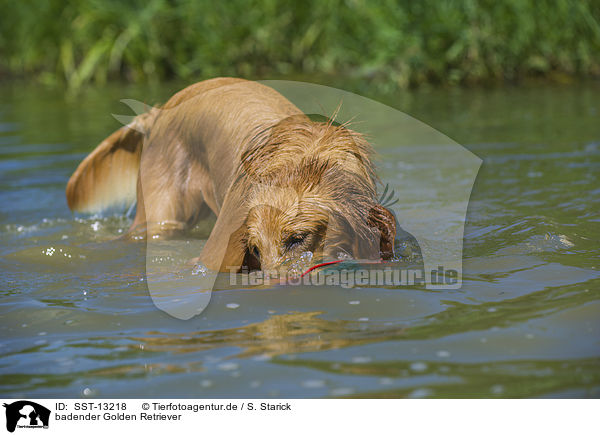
108,176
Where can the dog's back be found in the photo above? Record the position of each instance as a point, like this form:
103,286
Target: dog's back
206,125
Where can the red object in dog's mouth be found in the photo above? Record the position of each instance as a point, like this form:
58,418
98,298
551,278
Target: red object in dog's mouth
316,266
349,262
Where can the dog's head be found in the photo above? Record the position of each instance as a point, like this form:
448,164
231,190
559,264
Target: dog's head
313,192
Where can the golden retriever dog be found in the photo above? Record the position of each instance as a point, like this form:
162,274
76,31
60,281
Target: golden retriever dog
280,184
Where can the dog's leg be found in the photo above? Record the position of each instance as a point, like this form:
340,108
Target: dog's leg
167,202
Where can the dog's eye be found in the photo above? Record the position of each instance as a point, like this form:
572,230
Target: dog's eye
255,252
295,241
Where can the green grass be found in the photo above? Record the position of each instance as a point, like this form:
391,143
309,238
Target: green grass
391,44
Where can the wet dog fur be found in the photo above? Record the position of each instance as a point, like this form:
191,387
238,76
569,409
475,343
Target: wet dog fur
279,183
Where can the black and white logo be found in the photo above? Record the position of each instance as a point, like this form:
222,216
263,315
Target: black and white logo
26,414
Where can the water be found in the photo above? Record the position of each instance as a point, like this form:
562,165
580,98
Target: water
77,320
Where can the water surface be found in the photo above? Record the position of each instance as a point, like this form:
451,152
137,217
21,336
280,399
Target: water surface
77,319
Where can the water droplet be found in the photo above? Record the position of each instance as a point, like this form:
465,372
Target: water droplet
566,242
313,383
199,269
227,366
343,391
418,366
534,174
497,389
297,264
419,393
88,392
344,256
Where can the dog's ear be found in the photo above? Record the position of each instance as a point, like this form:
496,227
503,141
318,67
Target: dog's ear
385,222
236,251
225,248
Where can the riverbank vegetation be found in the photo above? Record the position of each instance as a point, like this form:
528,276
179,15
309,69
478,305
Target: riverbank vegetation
390,44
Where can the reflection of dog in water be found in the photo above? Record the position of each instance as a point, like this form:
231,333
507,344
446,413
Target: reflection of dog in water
25,413
280,183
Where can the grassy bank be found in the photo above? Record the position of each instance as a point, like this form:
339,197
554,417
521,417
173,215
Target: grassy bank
392,44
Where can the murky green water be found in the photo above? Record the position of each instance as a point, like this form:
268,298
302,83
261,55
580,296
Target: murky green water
77,320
